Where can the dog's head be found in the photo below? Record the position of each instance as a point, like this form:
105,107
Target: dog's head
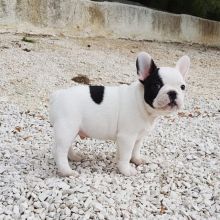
164,87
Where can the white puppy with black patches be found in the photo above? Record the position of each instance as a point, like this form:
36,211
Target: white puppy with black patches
124,114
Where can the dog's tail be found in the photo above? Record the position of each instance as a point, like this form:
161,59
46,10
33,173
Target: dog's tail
52,106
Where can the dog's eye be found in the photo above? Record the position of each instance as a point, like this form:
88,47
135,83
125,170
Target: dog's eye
182,87
156,86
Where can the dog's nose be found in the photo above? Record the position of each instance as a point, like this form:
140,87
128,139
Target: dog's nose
172,95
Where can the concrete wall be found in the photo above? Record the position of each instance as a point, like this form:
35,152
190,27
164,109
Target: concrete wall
115,20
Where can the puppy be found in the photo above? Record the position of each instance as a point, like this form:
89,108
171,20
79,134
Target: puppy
124,114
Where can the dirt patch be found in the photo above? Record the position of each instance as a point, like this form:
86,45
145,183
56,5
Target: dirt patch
82,79
170,25
96,16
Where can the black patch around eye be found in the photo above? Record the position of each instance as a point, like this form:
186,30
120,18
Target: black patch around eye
156,86
97,93
183,87
152,86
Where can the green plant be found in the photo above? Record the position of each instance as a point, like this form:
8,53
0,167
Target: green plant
25,39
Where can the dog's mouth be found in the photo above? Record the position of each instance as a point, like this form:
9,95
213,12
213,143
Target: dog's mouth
173,104
168,105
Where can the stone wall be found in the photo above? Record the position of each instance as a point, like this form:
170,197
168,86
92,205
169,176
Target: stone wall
114,20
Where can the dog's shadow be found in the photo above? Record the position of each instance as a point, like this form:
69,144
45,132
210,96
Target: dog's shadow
93,162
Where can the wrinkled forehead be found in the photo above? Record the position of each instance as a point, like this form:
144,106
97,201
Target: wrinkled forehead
170,75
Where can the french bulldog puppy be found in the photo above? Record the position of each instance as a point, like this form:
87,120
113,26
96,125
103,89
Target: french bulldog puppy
124,114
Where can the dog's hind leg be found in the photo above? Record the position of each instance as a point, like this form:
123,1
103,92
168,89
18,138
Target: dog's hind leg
65,133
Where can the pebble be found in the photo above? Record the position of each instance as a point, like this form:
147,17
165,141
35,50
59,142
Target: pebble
42,196
97,206
87,202
2,169
16,210
67,211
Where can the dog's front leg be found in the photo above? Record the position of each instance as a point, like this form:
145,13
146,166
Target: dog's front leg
125,145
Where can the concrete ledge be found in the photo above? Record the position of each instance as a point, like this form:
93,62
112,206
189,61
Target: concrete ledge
115,20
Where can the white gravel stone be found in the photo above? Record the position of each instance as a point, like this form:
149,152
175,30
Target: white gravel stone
67,211
16,210
44,195
88,202
2,169
97,206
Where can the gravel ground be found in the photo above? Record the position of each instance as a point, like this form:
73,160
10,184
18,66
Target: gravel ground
181,179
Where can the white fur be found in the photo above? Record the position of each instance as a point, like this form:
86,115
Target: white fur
123,116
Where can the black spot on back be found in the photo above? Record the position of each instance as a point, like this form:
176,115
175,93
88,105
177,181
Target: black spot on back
137,66
152,86
97,93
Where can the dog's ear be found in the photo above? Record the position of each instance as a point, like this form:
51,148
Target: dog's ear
145,65
183,65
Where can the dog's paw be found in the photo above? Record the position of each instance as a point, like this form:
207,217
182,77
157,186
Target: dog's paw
127,169
75,157
138,161
68,173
